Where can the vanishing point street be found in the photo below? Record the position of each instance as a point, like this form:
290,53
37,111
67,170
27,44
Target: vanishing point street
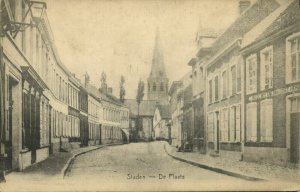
146,166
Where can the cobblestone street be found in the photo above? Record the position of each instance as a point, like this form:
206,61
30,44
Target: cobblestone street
133,167
146,166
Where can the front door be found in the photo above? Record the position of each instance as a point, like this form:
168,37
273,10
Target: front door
8,142
295,123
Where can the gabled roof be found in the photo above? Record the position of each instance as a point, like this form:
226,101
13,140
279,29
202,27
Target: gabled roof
287,13
147,107
165,111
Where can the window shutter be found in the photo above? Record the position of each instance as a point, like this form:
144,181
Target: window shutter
251,122
232,124
266,128
262,71
238,123
254,123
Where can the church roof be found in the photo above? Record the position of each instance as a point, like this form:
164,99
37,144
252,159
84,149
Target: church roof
165,111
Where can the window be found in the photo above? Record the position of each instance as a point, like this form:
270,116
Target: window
216,88
210,125
293,58
233,79
154,86
238,77
238,123
266,122
251,122
251,71
161,87
224,125
210,91
266,68
224,85
232,124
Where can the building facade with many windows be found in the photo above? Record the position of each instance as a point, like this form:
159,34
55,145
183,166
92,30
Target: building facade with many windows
271,60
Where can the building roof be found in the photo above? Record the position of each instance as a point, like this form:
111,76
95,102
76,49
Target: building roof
175,85
288,12
147,107
97,94
245,22
165,111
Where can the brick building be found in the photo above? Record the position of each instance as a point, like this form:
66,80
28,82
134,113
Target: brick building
271,53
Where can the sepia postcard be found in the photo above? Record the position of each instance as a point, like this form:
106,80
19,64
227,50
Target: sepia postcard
149,95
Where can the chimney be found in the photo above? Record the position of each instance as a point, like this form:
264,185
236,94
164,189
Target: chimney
86,79
109,90
243,5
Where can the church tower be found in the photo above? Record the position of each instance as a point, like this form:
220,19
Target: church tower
157,80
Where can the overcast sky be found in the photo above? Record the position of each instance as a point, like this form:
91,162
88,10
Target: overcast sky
117,36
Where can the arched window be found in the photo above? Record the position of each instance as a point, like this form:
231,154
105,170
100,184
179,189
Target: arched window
154,86
161,87
148,86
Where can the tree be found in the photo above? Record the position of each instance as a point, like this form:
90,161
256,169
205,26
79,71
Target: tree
122,89
103,81
139,98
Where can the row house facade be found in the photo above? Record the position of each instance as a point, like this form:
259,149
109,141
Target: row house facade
108,118
180,94
34,86
271,60
161,122
247,82
44,107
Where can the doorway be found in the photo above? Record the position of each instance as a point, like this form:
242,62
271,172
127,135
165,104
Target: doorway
12,123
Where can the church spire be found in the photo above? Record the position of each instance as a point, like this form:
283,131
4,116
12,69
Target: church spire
158,81
158,66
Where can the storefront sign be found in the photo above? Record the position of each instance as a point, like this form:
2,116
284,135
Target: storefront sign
274,93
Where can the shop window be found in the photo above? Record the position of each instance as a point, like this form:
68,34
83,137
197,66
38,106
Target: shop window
251,74
266,68
251,122
266,122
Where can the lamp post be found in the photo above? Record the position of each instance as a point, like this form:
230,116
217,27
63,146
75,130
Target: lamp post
9,25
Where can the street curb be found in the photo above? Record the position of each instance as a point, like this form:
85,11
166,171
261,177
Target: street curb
71,160
215,169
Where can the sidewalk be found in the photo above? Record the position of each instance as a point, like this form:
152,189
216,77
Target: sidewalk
52,168
248,169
